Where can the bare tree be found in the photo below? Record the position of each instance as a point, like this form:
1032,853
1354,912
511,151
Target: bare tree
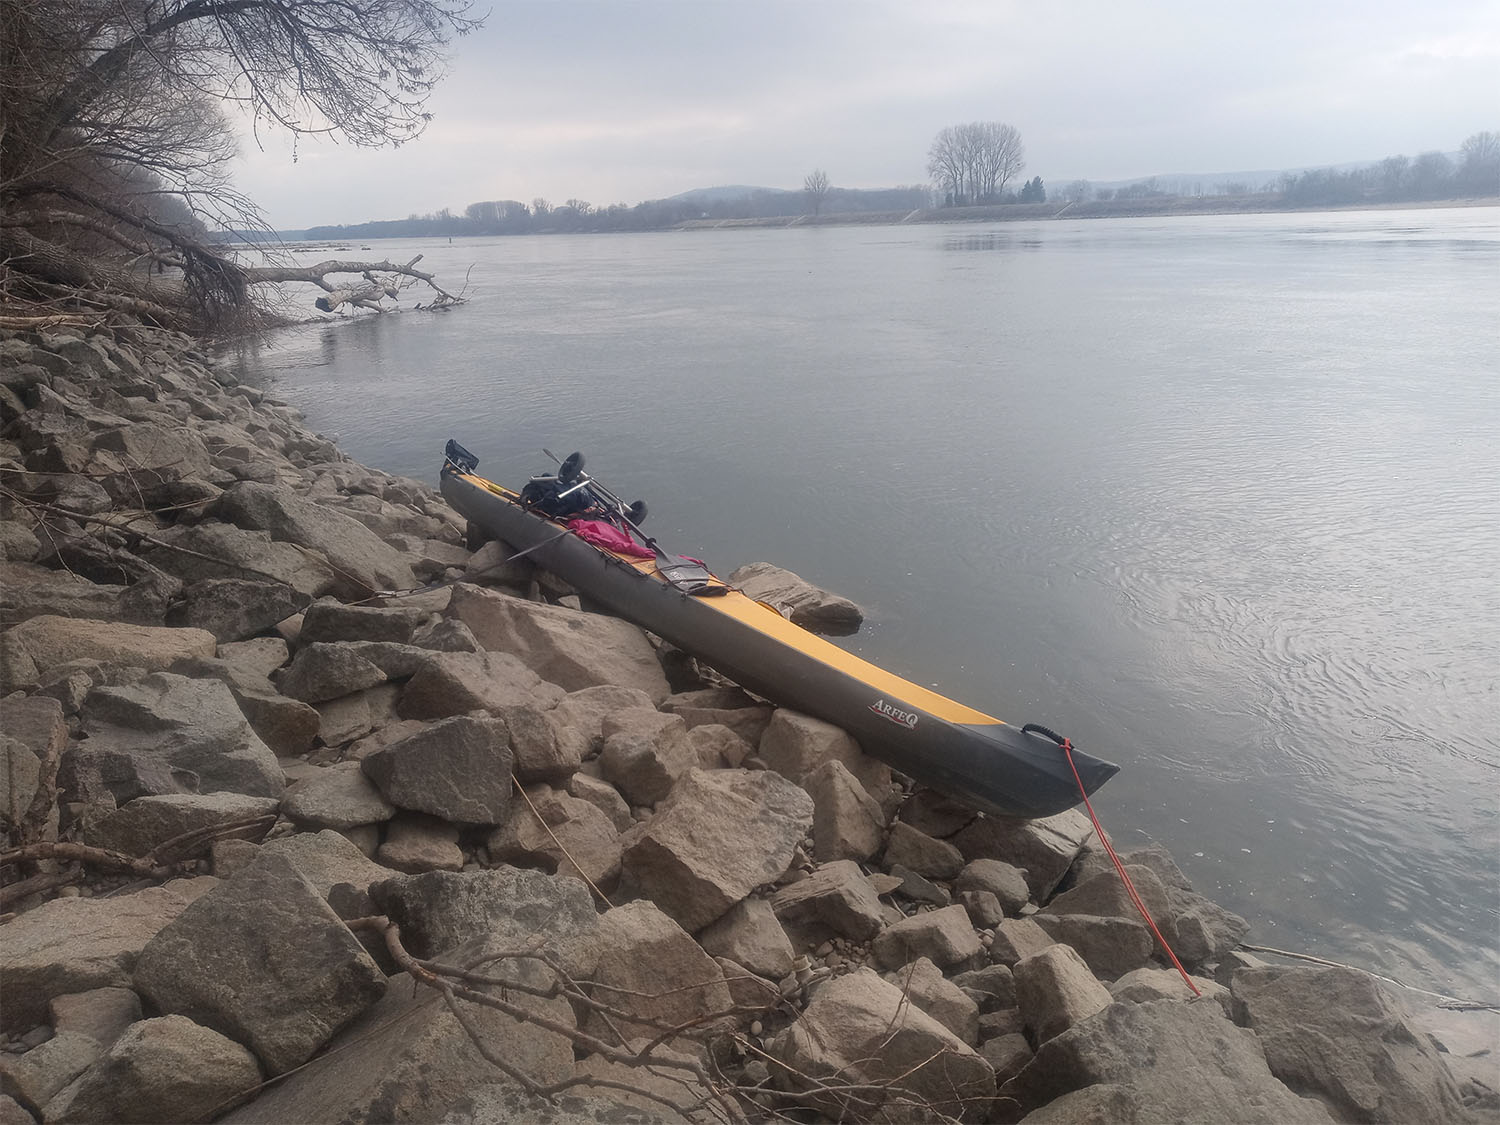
1479,166
815,186
111,108
972,163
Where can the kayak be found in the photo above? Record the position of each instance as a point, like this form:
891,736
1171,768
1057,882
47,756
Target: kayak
961,752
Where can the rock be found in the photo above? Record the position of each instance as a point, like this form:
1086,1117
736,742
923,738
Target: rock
409,1058
326,859
1055,990
233,609
943,1000
440,911
1016,938
455,683
919,852
333,621
679,1087
1006,883
1104,896
415,843
836,900
20,777
148,823
983,907
859,1030
944,936
750,935
1008,1055
35,1077
644,754
720,834
1044,848
603,796
1179,1062
168,734
848,823
583,712
339,796
163,1069
457,769
328,671
562,834
651,969
816,610
1339,1036
1105,1104
993,987
1142,985
492,565
748,721
102,1014
157,452
542,750
1202,932
918,888
342,720
265,959
50,641
795,744
572,649
718,747
287,726
1111,947
240,554
363,564
73,945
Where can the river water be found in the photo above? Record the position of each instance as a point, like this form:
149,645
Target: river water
1218,497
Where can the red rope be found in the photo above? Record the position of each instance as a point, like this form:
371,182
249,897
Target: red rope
1067,746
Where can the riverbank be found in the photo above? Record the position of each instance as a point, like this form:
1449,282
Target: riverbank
256,817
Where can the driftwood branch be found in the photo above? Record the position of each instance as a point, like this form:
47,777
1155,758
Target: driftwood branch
364,294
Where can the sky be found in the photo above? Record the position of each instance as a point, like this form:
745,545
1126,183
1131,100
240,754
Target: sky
619,101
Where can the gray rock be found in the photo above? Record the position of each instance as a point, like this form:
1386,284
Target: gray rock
649,968
1016,938
327,671
1008,1055
1055,990
559,833
363,563
836,900
147,823
942,999
1044,848
167,724
993,987
455,683
859,1030
848,823
217,550
1341,1037
944,937
326,859
287,726
565,647
795,744
439,911
339,796
35,1077
718,747
1006,883
233,609
804,604
100,1013
457,769
20,777
1141,985
264,959
163,1069
584,711
644,753
750,935
603,796
541,747
415,843
719,835
983,907
51,641
342,720
333,621
1111,947
156,451
919,852
919,888
73,945
409,1058
1179,1062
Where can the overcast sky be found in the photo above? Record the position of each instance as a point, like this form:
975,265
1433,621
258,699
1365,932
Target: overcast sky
617,102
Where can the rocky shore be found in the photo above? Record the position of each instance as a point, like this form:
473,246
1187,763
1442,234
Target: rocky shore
279,848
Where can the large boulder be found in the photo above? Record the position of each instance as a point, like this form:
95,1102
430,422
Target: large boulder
795,744
163,1069
457,769
1111,947
942,999
233,609
212,550
1044,848
339,796
147,823
51,641
412,1058
325,671
1340,1036
750,935
168,733
848,823
362,562
1055,990
718,836
644,753
945,937
566,647
455,683
548,828
836,900
265,960
860,1031
73,945
326,859
1179,1062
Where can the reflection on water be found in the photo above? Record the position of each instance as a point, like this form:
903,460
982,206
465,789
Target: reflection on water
1218,497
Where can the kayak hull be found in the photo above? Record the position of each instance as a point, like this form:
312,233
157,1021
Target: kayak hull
958,751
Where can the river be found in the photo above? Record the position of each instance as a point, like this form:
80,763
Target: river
1216,496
